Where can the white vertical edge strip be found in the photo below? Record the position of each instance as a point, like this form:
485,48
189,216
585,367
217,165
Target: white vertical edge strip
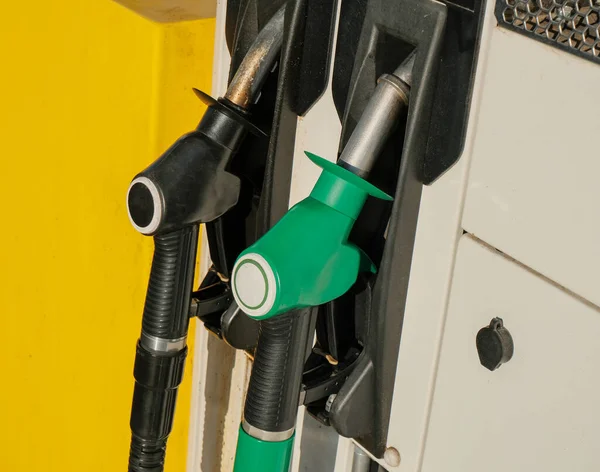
221,61
313,136
345,455
242,366
318,132
438,233
297,440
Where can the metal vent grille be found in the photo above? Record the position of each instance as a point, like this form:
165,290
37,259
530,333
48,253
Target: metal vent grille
571,25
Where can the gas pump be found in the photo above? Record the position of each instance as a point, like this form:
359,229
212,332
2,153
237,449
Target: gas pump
324,267
363,308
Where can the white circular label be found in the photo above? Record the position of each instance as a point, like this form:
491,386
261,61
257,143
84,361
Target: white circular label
156,200
253,285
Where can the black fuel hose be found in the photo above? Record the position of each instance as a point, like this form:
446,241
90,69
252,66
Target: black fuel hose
274,388
158,371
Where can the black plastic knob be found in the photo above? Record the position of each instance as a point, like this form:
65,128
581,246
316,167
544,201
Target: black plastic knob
494,345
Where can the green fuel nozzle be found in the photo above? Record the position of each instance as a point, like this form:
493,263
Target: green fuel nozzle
306,258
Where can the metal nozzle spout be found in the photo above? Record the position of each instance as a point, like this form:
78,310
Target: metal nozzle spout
258,62
379,119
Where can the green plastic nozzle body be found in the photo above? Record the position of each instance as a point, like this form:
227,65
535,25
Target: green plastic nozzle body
306,258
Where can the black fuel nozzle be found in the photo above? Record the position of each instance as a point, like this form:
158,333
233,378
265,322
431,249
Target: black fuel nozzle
188,185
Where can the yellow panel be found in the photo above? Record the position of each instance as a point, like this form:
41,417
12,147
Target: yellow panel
89,94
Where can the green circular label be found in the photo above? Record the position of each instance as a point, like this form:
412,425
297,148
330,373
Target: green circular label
264,276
